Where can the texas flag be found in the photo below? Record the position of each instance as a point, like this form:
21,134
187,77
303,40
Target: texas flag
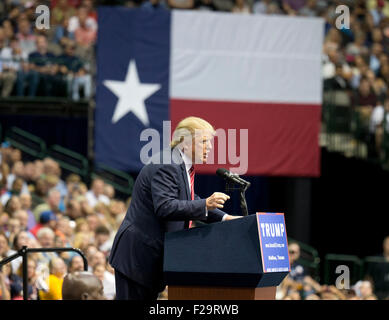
255,78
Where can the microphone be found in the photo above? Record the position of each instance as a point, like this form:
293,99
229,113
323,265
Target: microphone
227,175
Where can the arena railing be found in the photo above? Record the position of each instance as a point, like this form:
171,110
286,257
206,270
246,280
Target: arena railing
24,251
121,181
26,142
70,160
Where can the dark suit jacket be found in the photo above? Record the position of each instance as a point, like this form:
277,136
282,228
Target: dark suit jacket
160,203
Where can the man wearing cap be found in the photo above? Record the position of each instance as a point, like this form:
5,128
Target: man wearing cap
46,219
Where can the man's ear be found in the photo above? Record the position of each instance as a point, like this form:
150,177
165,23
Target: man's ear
84,296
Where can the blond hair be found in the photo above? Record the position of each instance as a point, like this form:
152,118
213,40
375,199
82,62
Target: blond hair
187,128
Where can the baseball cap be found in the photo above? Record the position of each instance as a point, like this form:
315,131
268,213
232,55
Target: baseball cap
47,216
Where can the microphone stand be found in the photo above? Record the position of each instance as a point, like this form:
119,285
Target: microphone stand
242,189
243,204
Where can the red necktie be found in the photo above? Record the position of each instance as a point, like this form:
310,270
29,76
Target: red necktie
191,175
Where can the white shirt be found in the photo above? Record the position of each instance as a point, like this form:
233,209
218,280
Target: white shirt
93,200
376,118
188,165
109,285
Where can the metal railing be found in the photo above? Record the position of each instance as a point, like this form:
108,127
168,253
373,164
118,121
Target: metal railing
24,254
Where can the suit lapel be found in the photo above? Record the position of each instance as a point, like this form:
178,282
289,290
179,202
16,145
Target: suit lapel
176,157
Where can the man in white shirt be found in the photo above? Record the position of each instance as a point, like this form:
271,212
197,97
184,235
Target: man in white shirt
96,194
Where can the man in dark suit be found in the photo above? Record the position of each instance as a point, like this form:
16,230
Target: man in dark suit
163,200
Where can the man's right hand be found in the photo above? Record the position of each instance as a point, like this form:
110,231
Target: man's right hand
216,200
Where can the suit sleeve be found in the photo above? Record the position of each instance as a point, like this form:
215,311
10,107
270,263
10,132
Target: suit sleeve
215,215
165,194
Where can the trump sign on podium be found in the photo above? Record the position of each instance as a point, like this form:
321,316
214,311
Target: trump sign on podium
273,242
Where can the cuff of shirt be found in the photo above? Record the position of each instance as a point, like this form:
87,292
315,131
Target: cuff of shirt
224,217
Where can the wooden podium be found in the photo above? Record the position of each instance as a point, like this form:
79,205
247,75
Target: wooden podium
219,261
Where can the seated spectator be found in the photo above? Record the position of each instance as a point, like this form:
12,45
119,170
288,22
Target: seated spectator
241,6
21,239
374,62
12,205
83,12
47,219
15,190
12,229
17,171
331,293
5,250
8,29
297,272
39,194
364,289
103,239
96,193
26,37
107,279
52,168
82,286
25,200
45,237
22,216
262,6
41,67
109,191
379,272
14,60
76,264
62,35
224,5
357,47
153,5
73,70
88,4
85,34
377,12
309,9
51,204
338,82
292,7
30,173
13,282
181,4
205,5
73,209
61,11
58,270
7,73
377,84
4,289
364,101
32,278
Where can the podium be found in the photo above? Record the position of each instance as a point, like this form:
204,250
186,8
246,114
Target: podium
227,260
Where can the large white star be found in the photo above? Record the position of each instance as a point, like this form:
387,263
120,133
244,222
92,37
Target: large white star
132,95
